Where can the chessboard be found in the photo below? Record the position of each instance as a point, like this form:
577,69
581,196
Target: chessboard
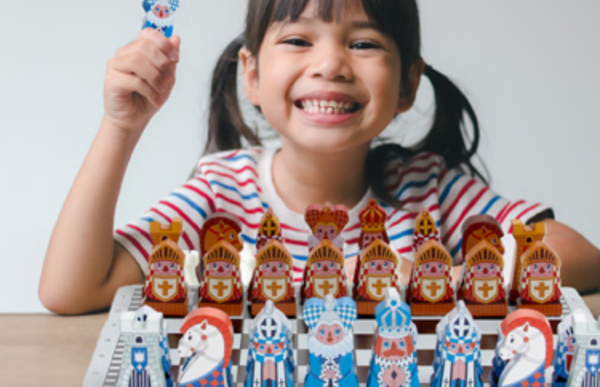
106,361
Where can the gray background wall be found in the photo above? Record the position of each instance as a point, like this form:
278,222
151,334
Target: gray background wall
531,69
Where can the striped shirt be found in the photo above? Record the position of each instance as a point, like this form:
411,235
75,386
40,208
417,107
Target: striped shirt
240,183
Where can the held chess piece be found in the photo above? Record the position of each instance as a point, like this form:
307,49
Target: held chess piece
524,349
585,371
525,236
565,350
330,342
160,15
270,355
146,360
165,289
394,360
272,279
205,349
540,280
457,356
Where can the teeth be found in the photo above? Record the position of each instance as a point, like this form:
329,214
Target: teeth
325,107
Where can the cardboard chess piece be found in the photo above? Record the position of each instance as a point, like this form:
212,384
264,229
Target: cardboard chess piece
483,282
524,349
377,272
525,236
585,370
478,228
205,349
565,350
160,15
425,230
221,285
540,280
216,228
146,360
458,356
272,279
330,342
394,360
326,223
165,289
324,273
270,355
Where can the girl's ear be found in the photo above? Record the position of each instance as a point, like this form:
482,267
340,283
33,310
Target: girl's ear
250,75
409,89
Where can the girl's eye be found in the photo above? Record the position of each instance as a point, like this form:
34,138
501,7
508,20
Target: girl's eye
296,42
365,46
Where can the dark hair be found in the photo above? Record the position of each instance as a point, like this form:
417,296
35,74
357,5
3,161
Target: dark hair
398,19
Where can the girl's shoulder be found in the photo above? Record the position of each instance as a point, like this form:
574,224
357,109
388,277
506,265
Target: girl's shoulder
421,163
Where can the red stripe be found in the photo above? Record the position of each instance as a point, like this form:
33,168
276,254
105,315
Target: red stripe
184,235
244,221
257,210
297,269
144,233
352,241
523,213
512,207
232,154
240,170
405,250
240,183
412,170
182,214
285,226
411,215
502,212
419,199
135,243
456,200
202,180
353,227
208,199
465,212
442,175
294,242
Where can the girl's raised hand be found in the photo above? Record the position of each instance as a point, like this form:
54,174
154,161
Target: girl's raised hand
139,80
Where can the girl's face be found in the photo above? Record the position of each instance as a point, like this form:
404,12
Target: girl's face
326,86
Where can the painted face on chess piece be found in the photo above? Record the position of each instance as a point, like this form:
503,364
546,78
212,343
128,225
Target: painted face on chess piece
165,268
221,269
434,269
460,349
274,269
269,349
378,266
543,270
486,270
394,349
330,334
326,231
325,268
367,238
161,12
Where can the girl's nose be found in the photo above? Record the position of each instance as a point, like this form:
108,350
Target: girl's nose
330,63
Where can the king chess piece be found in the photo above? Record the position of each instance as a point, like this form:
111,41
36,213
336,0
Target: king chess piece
270,356
165,289
457,360
330,341
585,371
394,360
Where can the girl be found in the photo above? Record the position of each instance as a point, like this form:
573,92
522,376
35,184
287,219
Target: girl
328,76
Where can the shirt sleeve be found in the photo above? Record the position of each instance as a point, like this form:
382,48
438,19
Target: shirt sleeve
192,202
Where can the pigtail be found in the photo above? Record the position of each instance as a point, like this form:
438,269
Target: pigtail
226,126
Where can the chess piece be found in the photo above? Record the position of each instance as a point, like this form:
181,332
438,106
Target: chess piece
146,360
377,272
394,360
585,370
160,15
525,236
270,355
272,278
165,289
565,350
524,349
218,227
221,286
324,272
326,223
478,228
458,356
430,290
540,280
330,342
205,349
483,282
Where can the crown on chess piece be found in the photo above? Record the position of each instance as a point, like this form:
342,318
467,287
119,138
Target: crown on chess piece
373,217
393,316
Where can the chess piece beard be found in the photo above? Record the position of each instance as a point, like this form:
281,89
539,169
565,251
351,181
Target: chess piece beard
342,348
402,364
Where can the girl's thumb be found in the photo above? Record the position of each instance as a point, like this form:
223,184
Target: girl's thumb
175,41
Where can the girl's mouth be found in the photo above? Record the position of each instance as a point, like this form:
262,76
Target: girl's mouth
314,106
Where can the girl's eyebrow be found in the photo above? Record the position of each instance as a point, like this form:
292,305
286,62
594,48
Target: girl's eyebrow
356,24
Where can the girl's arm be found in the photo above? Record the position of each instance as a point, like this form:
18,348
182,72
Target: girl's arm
84,266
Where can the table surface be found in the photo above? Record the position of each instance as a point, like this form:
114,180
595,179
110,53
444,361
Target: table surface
57,350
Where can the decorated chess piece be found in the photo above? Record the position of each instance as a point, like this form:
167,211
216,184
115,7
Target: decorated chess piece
330,342
524,350
270,356
324,273
272,279
160,15
479,228
394,360
565,350
218,227
458,356
525,236
540,280
146,360
205,349
326,223
585,370
165,289
483,282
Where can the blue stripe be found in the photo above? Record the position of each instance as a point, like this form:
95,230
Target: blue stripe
300,257
490,204
148,219
417,184
245,197
350,255
402,234
483,212
448,188
190,203
242,156
247,239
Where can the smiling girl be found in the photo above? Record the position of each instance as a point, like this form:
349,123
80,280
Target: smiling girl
328,76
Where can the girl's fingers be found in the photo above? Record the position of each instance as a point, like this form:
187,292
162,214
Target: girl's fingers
126,84
143,68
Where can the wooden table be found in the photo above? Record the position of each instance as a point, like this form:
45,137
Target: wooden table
46,350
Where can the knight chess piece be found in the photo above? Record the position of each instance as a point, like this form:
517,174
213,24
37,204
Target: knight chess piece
205,349
585,370
330,342
394,359
165,289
